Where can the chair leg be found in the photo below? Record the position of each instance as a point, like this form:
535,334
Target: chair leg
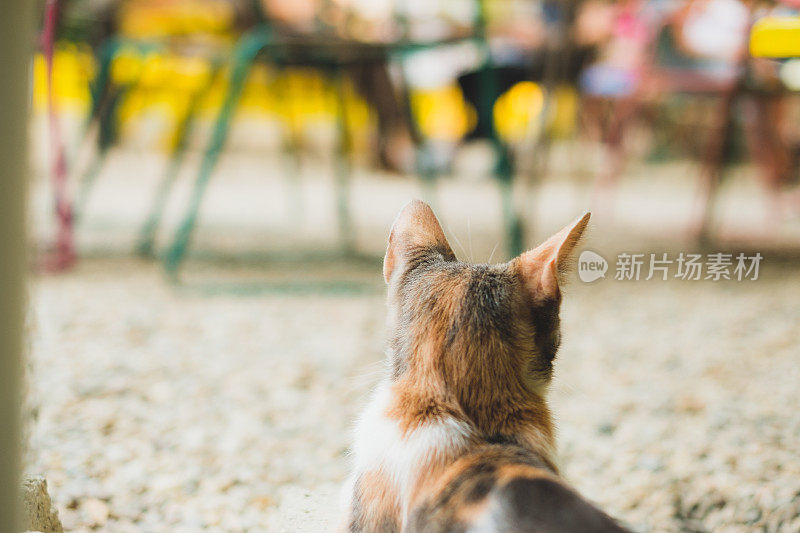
712,167
177,156
87,181
428,171
504,166
105,101
291,151
147,234
244,56
512,215
107,131
424,164
488,93
65,251
343,168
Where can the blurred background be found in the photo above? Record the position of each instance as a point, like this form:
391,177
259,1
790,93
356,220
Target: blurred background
214,182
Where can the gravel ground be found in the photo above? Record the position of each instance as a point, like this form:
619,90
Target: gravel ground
164,410
174,408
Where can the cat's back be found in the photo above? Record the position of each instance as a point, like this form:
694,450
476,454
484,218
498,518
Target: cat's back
504,488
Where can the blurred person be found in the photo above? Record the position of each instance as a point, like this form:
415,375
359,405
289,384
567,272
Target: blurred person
621,33
694,46
715,33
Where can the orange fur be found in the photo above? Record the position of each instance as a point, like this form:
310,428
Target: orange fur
375,494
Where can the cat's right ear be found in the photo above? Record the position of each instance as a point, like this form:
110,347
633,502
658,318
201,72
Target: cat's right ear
543,269
415,230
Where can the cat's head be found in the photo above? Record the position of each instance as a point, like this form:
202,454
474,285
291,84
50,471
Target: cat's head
463,327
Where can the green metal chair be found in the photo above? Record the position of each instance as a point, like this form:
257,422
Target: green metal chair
332,57
106,98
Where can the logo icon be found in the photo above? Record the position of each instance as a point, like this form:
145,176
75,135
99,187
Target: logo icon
591,266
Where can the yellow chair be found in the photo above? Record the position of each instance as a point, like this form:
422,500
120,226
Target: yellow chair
776,37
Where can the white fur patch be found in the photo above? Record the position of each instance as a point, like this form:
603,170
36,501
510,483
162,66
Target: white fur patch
484,523
380,445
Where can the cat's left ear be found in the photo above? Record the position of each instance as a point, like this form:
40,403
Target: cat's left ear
543,269
415,230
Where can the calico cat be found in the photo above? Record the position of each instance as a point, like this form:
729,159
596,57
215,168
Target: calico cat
458,436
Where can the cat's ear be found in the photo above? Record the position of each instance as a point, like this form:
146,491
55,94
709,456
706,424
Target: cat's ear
414,230
543,269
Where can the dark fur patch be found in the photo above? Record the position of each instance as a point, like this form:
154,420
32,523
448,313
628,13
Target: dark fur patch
545,505
519,493
548,335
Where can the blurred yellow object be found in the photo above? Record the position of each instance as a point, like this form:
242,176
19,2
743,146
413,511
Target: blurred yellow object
159,82
563,116
776,37
442,114
127,66
73,68
178,73
515,110
158,18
